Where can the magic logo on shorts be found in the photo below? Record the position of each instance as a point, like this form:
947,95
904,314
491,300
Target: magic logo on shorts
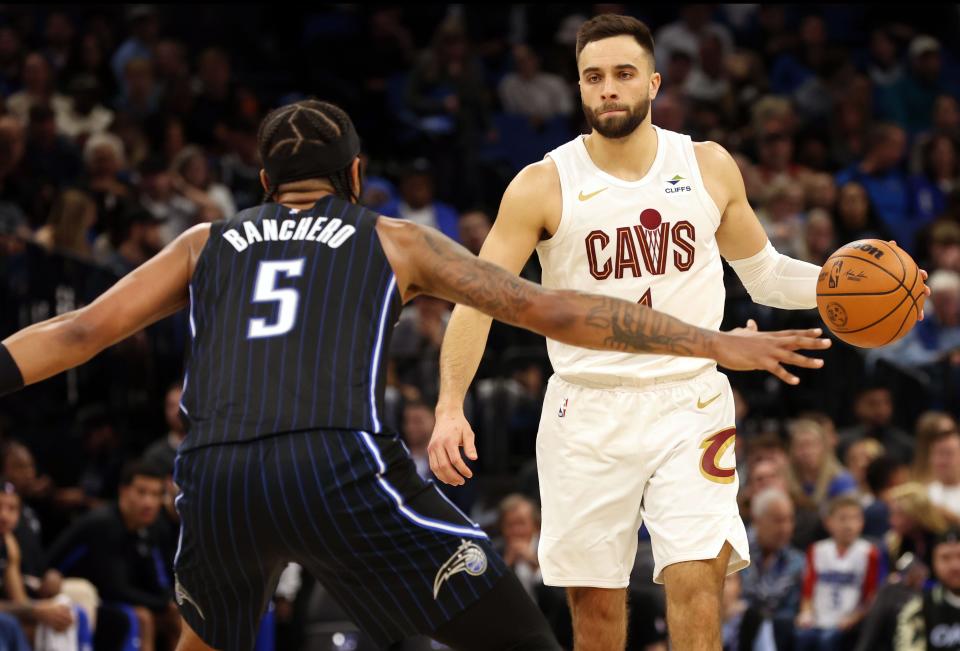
714,447
468,558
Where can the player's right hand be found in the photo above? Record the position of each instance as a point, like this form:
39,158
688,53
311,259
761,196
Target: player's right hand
747,349
56,615
451,432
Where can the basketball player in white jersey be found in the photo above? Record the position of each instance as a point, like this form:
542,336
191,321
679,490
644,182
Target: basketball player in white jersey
639,213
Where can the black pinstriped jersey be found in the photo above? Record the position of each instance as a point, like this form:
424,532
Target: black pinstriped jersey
290,315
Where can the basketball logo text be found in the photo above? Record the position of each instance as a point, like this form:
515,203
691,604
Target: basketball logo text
868,248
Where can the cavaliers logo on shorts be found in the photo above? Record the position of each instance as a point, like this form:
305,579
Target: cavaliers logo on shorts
714,447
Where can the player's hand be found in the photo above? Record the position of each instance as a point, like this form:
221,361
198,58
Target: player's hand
747,349
55,615
451,432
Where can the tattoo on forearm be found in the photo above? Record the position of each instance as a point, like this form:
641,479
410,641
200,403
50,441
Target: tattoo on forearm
636,328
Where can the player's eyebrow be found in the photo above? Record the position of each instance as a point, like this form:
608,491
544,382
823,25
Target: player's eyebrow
619,66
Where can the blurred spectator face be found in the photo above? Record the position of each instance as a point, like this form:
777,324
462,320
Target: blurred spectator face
157,185
91,52
766,474
946,565
138,76
36,74
807,448
9,45
519,523
774,527
148,236
12,143
813,31
168,60
945,296
9,512
174,139
859,456
531,379
775,149
171,409
882,48
526,61
670,111
890,150
945,246
900,519
104,162
946,115
786,200
214,71
140,501
819,236
59,31
418,422
874,408
712,55
615,102
821,191
679,68
417,190
196,172
19,467
942,161
845,524
945,459
854,206
474,227
927,66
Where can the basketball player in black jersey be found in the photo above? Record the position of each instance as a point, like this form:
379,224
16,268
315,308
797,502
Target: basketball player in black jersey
291,305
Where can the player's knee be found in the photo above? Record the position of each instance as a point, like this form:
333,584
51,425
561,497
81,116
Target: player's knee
605,603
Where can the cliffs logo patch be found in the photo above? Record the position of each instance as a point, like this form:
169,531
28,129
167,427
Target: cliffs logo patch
677,185
714,447
468,558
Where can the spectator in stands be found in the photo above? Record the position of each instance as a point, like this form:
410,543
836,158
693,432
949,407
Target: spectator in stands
856,218
144,31
910,101
473,228
86,114
800,74
915,522
92,59
11,59
69,225
819,242
415,346
817,473
820,191
936,181
530,91
931,621
945,246
38,90
240,165
883,475
520,532
772,582
880,173
105,162
773,128
859,456
192,179
162,453
418,421
685,34
140,98
883,64
115,548
840,582
782,215
708,82
417,202
905,581
59,34
873,409
937,462
216,100
160,199
140,237
51,160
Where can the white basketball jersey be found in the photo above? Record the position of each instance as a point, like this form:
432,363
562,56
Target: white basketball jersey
651,241
838,584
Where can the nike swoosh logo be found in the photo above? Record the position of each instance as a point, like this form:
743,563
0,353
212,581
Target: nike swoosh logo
702,405
585,197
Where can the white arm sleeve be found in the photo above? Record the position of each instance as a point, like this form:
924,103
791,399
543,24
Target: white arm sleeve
776,280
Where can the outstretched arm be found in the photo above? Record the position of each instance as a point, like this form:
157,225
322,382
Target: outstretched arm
153,291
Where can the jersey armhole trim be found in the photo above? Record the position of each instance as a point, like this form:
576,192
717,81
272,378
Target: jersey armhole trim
566,206
713,210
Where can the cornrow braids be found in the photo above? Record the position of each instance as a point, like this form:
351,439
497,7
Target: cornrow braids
288,130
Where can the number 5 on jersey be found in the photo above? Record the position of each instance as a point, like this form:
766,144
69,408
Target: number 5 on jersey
265,290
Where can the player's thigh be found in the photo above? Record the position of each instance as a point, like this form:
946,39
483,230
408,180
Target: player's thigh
227,563
591,473
690,502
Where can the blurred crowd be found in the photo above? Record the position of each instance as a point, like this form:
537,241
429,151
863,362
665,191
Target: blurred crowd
121,127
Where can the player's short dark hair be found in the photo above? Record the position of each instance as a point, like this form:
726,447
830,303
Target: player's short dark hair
310,121
841,502
140,468
880,470
610,25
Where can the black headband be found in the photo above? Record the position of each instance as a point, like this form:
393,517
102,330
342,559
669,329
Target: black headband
311,160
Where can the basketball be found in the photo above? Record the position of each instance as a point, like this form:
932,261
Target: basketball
870,293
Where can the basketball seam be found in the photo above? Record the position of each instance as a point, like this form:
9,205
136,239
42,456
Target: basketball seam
909,295
870,262
861,293
915,308
903,267
870,325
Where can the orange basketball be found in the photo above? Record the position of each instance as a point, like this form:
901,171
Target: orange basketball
870,293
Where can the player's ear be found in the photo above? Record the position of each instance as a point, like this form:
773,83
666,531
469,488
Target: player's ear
655,80
264,180
356,176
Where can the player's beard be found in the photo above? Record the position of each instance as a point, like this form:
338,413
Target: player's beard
619,126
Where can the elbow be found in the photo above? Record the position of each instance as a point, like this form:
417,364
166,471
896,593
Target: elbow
81,335
551,315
